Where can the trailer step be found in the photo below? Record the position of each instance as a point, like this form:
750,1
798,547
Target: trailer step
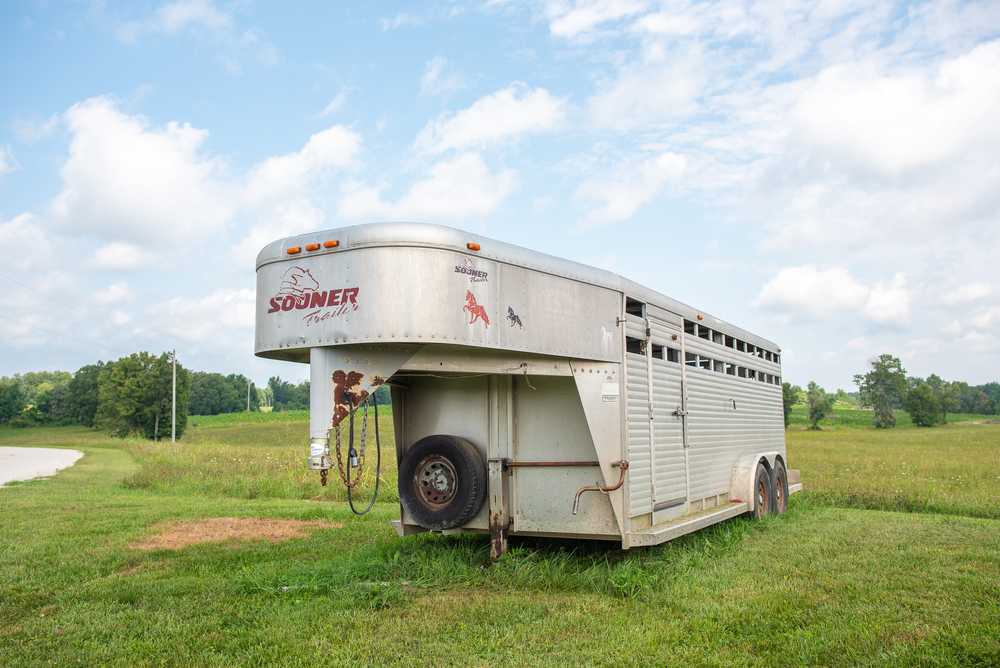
685,525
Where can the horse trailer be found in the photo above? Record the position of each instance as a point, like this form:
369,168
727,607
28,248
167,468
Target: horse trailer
530,395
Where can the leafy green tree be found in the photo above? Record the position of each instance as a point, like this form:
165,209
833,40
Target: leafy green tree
882,389
239,383
134,396
923,404
213,393
820,404
992,390
83,394
790,395
286,396
12,399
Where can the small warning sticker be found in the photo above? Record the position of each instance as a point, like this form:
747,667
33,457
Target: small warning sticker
609,391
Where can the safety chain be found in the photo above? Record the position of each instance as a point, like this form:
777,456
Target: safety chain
353,455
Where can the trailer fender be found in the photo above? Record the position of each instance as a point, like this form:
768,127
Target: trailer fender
741,482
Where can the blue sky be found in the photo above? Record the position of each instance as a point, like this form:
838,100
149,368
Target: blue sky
824,174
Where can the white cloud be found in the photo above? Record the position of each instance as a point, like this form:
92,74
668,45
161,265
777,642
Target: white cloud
819,293
894,124
138,187
121,256
280,193
26,249
119,318
436,80
455,189
400,20
577,18
335,104
116,293
508,113
889,302
211,319
174,17
34,282
29,131
334,148
8,163
913,150
987,319
969,292
617,196
206,20
661,89
129,182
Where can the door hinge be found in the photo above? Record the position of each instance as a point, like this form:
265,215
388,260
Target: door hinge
680,413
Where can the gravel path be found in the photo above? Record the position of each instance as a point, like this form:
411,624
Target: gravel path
28,463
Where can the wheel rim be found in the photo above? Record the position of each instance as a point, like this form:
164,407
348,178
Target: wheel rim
436,481
762,500
779,493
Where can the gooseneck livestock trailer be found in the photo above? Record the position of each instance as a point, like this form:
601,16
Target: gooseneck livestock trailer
531,395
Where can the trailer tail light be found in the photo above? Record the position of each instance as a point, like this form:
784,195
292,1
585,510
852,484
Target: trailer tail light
472,246
294,250
331,243
312,247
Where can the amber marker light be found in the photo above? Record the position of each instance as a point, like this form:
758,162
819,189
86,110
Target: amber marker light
312,247
701,317
472,246
331,243
293,250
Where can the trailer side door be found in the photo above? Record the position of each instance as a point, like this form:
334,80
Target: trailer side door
670,494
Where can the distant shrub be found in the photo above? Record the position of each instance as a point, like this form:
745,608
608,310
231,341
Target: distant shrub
923,405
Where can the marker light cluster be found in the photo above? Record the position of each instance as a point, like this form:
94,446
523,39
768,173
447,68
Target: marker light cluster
329,243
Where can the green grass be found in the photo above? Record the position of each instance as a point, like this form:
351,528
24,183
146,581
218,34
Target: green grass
255,455
832,582
949,469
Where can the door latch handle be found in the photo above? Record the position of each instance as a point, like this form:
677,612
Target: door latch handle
680,413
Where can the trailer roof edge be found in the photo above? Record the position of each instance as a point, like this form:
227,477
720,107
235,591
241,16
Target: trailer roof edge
450,238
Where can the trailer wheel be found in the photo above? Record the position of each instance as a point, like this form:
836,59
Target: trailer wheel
442,482
763,491
780,477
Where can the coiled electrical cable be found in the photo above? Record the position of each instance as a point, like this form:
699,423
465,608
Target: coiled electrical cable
352,453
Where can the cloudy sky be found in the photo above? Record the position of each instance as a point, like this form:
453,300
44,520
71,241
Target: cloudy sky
825,174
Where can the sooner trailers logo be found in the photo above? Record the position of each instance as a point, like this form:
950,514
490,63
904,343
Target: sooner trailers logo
300,291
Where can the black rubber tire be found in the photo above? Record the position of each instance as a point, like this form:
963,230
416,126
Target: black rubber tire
470,486
779,481
760,509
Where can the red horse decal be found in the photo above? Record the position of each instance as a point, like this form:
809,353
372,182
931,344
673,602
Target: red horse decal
476,312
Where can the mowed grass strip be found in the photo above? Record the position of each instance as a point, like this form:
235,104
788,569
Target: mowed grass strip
820,586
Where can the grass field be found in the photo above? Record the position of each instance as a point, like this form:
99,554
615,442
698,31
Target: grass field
844,578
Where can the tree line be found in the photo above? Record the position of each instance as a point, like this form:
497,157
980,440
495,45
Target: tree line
132,396
886,387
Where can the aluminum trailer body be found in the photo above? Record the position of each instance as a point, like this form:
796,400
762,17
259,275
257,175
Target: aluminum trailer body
594,407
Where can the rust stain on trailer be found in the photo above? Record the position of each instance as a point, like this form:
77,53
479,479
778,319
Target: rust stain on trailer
347,394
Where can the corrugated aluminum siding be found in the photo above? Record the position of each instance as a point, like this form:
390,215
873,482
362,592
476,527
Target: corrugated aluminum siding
718,433
668,432
640,481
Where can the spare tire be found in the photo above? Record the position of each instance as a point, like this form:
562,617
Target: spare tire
442,482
